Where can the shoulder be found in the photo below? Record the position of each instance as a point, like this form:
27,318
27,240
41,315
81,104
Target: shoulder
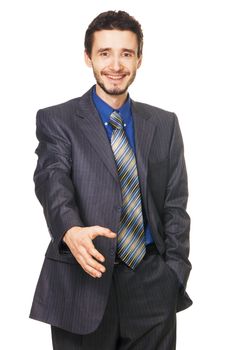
66,110
61,115
158,116
59,109
152,111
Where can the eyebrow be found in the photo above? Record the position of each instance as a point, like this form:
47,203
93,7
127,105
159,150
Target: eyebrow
109,49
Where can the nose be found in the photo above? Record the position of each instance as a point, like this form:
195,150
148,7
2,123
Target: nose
116,64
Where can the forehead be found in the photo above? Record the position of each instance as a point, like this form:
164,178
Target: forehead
115,39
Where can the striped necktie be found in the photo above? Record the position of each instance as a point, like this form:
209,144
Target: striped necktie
131,238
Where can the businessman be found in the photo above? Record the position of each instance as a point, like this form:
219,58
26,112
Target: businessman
112,181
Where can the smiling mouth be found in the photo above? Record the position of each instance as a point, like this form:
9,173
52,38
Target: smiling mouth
115,77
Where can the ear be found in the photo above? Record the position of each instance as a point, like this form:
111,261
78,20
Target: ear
87,59
139,62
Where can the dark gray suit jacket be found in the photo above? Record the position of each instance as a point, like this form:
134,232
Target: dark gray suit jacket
76,182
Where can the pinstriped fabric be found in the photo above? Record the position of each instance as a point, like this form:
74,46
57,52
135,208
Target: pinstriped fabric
76,182
131,238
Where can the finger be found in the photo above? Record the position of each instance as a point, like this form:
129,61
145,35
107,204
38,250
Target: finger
95,253
92,272
102,231
93,263
89,247
88,259
88,269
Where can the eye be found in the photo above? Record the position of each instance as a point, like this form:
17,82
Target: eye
127,54
104,54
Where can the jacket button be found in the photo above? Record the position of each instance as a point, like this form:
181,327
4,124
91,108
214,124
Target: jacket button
112,251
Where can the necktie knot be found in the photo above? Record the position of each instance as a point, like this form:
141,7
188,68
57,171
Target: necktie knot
116,120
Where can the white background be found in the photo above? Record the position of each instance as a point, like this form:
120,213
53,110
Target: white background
185,71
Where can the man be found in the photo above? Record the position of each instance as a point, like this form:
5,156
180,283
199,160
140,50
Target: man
112,181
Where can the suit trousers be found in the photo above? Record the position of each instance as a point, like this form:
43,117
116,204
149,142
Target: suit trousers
140,313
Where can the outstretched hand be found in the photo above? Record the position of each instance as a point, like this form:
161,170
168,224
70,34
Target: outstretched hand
80,242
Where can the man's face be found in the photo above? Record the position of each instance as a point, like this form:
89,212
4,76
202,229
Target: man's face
114,60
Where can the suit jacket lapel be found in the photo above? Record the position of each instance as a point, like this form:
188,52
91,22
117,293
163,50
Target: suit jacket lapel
144,134
93,129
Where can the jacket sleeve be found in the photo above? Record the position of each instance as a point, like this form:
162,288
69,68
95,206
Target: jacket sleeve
176,220
52,177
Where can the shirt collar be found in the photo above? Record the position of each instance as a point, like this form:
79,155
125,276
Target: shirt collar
105,110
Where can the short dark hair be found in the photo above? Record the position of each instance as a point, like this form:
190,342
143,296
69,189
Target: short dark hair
110,20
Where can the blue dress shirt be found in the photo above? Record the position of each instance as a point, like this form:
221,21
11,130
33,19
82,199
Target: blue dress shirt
104,111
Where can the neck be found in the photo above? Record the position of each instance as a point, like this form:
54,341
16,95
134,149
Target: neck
115,101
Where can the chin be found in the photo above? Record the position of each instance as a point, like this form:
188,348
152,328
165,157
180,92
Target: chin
114,90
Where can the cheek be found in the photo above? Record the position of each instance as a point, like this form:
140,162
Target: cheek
132,69
131,66
97,67
101,66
